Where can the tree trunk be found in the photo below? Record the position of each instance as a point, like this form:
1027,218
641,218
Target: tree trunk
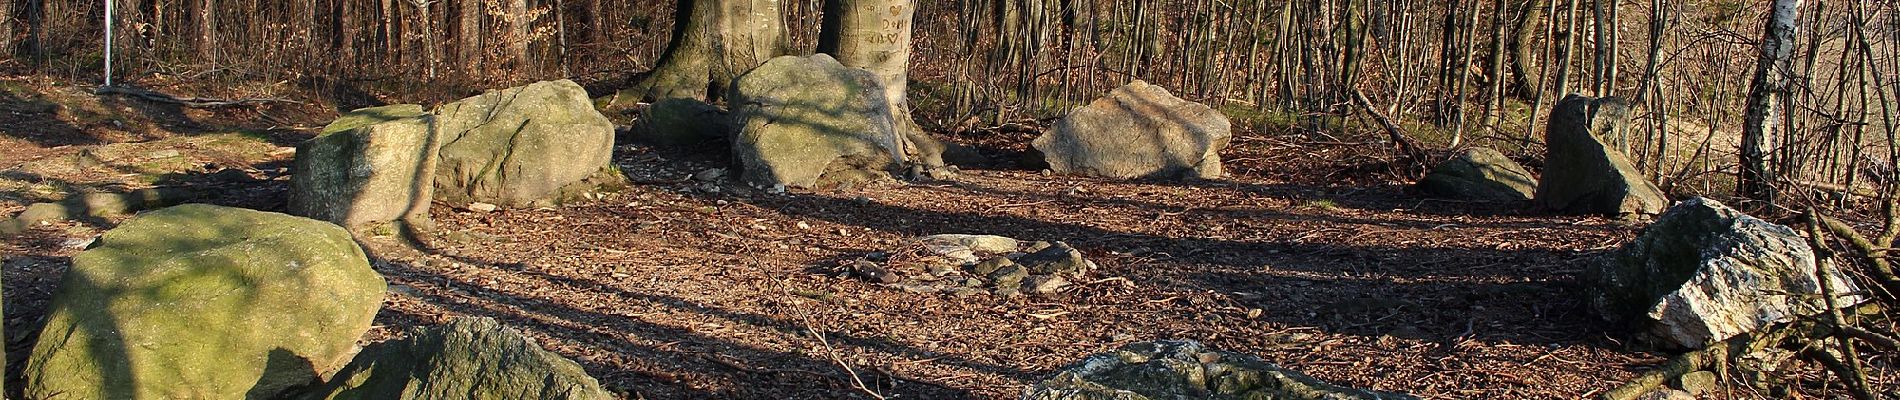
713,42
521,34
1770,82
875,35
468,35
6,31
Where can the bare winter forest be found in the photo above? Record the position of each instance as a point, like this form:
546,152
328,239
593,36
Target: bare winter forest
885,199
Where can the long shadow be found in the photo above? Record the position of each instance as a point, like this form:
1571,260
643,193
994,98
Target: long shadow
692,352
1359,290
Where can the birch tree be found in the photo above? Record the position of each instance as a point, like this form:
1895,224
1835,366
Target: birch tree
1769,84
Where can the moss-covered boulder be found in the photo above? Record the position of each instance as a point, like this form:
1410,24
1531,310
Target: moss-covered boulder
682,123
468,358
520,147
1181,370
1583,174
1479,174
1705,272
810,121
204,302
370,165
1138,131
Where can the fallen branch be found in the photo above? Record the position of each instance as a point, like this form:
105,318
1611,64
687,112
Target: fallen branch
192,102
1875,255
1391,129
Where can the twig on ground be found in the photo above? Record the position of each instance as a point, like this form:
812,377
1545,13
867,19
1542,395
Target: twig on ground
192,102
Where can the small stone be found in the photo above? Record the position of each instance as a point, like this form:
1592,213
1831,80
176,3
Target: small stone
991,265
1058,259
966,292
1697,383
1009,277
972,282
1044,284
875,273
1009,292
804,226
1667,394
482,207
861,200
710,175
941,270
1037,246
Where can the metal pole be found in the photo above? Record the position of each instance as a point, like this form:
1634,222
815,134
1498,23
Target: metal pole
109,42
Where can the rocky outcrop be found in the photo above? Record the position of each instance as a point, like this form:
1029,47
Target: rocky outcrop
370,165
204,302
1138,131
1704,272
1582,174
1171,370
468,358
526,146
809,121
1479,174
974,264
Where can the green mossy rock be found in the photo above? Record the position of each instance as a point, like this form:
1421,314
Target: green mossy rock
370,165
1585,176
1480,174
520,147
1183,370
468,358
1138,131
809,121
204,302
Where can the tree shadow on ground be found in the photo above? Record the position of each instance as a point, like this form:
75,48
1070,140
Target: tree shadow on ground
688,357
1432,292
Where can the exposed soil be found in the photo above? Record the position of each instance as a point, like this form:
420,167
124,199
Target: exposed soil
1310,256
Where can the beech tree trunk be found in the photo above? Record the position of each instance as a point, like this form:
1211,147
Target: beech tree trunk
1759,116
875,35
713,42
468,34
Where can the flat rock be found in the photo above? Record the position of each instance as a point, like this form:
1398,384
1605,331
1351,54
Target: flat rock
1169,370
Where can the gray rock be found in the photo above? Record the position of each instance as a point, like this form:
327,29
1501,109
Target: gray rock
1009,278
682,123
1704,272
991,265
468,358
204,302
1480,174
1697,383
875,273
1138,131
1666,394
809,121
1582,174
1058,259
370,165
990,244
1180,370
1044,283
527,146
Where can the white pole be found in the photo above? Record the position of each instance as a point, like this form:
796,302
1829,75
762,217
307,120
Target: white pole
109,42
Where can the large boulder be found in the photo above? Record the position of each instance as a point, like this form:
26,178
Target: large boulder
204,302
526,146
370,165
469,358
1138,131
1582,174
682,123
1705,272
810,121
1479,174
1180,370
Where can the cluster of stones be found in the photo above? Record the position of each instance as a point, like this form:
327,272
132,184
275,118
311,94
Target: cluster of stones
529,146
977,264
1586,171
1166,370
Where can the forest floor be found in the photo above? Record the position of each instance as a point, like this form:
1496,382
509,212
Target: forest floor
1309,256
